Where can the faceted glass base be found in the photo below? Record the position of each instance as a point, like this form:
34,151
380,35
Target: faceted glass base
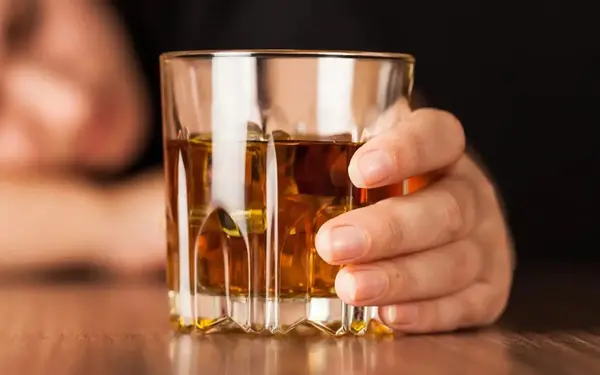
261,316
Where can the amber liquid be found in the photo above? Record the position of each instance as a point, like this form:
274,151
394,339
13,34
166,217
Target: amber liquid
312,186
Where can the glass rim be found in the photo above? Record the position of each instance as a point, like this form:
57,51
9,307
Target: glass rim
284,53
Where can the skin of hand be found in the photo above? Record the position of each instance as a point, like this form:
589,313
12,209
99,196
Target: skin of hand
436,260
71,95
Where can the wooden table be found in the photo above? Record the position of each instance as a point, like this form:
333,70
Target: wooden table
551,327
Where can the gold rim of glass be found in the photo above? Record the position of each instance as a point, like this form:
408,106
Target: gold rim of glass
287,53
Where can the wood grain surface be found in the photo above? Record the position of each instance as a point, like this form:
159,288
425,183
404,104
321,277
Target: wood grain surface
90,327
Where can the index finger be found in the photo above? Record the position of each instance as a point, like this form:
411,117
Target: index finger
426,140
445,212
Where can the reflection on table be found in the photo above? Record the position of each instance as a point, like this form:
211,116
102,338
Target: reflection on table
472,353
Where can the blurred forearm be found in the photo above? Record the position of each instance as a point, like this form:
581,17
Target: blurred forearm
46,221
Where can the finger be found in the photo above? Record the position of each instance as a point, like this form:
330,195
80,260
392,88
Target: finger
425,275
427,140
444,212
478,305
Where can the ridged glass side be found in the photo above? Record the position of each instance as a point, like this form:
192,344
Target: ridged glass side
246,258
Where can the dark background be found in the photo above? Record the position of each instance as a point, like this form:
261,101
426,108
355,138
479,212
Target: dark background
522,77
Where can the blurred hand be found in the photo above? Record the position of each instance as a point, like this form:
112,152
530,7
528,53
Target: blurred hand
70,96
435,260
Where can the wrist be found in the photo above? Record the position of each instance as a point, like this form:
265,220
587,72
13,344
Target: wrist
134,232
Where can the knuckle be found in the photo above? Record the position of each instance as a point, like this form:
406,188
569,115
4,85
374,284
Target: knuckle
408,149
454,134
466,263
405,283
415,142
418,150
427,317
453,217
414,138
475,260
398,148
462,206
392,224
437,317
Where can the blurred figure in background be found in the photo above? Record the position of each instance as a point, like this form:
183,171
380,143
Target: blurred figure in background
73,107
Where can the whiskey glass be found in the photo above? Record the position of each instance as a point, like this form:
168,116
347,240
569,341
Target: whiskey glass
256,150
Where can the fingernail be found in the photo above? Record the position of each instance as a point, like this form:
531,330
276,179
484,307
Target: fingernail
361,285
402,315
371,168
342,244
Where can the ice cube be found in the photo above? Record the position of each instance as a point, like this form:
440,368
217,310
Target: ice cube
280,135
183,133
338,172
329,210
295,218
201,137
254,132
343,137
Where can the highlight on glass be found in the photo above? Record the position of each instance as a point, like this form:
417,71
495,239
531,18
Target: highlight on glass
257,146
